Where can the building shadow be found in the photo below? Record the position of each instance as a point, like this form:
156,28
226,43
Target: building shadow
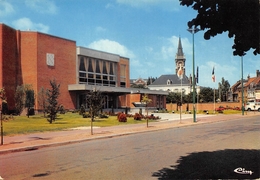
215,165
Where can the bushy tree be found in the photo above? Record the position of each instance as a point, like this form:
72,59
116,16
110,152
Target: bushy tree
52,99
42,100
223,89
173,97
207,94
4,101
240,18
20,97
29,100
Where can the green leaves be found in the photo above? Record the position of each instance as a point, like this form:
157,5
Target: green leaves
239,17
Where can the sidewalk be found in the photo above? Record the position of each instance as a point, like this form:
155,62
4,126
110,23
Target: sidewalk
39,140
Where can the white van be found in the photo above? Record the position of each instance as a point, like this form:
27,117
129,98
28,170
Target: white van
252,106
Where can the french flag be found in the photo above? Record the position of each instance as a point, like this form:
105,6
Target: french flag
213,75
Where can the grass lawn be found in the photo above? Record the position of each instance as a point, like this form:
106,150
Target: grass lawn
37,123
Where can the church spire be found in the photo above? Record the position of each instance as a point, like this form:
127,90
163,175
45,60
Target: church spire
180,58
180,52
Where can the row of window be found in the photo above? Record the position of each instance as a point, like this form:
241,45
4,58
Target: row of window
100,72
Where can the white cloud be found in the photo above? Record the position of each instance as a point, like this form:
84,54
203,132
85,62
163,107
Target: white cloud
165,4
42,6
5,8
111,47
100,29
26,23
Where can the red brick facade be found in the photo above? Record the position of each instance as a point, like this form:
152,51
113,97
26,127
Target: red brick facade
34,58
24,62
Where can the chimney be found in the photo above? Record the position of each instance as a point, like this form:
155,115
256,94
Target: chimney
257,73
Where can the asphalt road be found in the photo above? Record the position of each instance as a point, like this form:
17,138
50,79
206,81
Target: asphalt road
140,156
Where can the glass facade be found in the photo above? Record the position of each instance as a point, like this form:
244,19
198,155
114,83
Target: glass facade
94,71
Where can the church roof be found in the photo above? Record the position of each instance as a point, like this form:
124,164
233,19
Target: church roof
174,80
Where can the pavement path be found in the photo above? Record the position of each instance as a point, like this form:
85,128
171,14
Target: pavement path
46,139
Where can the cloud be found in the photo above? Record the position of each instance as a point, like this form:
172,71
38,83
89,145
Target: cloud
5,8
26,23
172,5
100,29
111,47
42,6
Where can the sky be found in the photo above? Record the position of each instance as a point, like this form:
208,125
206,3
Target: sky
145,31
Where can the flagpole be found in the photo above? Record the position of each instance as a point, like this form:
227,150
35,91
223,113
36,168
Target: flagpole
181,100
214,101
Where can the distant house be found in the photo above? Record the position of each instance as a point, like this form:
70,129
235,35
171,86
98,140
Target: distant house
178,82
139,82
251,89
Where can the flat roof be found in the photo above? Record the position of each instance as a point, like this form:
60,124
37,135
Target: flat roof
108,89
97,54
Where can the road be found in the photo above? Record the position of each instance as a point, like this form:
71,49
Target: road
139,156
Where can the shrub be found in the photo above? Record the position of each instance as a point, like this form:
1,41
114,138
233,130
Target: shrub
121,117
62,109
103,116
86,115
82,110
137,116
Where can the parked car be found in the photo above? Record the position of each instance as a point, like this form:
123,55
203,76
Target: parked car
252,106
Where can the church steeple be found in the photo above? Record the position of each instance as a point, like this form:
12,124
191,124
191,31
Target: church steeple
180,52
180,58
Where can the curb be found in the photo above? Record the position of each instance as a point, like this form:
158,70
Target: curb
55,144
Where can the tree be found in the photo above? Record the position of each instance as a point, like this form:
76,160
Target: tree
42,100
240,18
95,101
138,86
207,94
223,89
20,97
52,99
150,80
4,101
29,100
173,97
146,100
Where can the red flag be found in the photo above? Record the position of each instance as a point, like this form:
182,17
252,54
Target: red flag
213,75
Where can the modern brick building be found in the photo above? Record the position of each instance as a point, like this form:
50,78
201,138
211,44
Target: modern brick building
29,57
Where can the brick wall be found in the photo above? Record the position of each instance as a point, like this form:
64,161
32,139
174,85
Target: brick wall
203,106
35,71
8,62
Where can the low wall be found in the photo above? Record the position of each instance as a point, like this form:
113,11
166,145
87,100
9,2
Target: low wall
202,106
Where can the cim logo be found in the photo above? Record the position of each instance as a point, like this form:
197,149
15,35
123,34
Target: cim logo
243,171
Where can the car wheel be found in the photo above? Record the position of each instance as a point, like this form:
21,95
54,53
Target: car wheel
248,109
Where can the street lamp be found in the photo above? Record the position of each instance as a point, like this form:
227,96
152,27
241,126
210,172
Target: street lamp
193,31
242,84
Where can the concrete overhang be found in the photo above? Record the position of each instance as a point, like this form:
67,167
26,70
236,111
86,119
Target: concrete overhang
120,90
97,54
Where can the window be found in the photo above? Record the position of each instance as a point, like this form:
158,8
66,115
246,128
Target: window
97,71
123,75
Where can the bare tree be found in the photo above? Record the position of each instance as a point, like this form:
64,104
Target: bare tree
146,101
95,102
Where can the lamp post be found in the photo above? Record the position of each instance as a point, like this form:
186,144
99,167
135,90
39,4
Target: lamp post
242,86
193,31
